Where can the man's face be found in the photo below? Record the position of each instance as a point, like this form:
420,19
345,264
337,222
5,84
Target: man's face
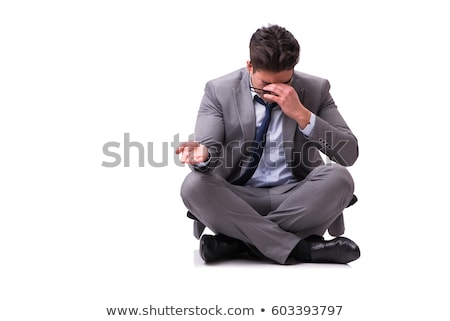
261,78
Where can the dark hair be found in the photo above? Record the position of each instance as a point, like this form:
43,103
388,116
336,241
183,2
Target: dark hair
273,48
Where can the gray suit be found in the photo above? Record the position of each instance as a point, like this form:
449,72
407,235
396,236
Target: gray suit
272,219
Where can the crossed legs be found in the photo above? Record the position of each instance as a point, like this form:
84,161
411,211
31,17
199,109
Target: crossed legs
273,220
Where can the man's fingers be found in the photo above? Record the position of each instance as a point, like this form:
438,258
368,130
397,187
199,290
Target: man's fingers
271,97
189,145
192,152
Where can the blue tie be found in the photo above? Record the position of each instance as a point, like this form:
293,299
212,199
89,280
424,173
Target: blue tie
259,144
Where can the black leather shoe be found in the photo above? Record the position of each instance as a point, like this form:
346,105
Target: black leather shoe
339,250
219,247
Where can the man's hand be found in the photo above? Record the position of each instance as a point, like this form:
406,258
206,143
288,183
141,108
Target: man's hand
192,153
286,97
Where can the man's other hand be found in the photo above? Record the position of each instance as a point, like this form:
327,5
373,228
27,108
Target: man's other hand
192,153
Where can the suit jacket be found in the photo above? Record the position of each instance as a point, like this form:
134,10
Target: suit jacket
226,124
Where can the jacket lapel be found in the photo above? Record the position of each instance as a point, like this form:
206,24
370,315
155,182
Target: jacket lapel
245,108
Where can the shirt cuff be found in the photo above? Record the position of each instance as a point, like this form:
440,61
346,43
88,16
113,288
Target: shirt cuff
307,131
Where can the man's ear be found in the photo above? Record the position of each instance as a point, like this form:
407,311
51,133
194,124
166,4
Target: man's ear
249,66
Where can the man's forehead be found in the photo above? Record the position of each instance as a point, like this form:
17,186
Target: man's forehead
274,77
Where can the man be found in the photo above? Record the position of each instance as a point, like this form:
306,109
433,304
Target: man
269,193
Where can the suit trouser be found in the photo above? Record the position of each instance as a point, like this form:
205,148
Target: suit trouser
272,219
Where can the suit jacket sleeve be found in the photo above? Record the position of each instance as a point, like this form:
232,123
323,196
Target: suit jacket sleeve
209,127
331,134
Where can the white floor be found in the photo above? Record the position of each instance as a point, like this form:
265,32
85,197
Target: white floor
244,263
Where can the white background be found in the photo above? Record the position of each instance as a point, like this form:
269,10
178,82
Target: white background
76,237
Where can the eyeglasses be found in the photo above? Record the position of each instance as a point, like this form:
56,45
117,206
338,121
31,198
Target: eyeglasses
262,91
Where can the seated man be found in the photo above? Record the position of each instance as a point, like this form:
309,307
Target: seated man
257,180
